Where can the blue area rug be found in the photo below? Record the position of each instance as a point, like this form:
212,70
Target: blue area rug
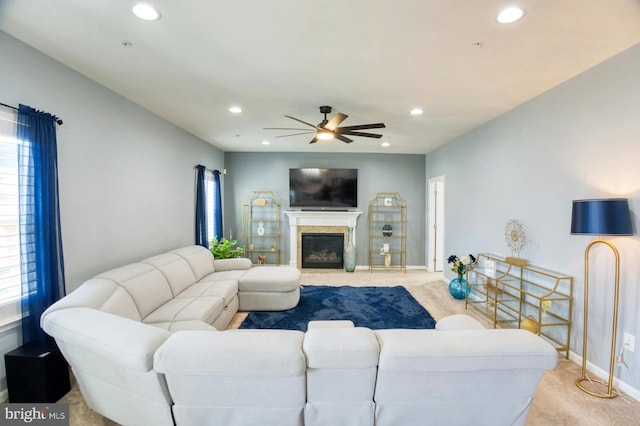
372,307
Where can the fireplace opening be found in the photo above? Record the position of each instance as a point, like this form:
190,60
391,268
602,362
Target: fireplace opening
322,251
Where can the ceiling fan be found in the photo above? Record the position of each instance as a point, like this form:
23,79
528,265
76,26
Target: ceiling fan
328,129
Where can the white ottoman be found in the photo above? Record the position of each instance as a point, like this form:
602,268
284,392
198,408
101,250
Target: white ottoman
269,288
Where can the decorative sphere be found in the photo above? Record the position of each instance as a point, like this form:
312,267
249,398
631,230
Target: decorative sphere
530,325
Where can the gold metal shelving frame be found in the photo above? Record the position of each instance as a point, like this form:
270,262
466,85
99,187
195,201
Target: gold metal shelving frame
261,207
387,208
523,296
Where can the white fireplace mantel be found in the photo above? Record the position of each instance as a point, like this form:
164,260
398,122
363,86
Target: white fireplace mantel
316,218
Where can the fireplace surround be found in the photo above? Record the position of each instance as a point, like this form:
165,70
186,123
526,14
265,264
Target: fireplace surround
316,222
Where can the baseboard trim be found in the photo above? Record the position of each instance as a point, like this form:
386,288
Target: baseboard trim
409,267
604,375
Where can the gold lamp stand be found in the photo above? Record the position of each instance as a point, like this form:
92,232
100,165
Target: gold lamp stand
611,393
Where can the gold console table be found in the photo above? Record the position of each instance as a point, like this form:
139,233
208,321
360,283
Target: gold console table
516,295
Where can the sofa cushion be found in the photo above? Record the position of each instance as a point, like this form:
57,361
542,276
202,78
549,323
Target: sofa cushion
232,353
145,284
184,325
270,278
463,350
224,276
199,258
341,348
175,269
102,294
224,289
197,308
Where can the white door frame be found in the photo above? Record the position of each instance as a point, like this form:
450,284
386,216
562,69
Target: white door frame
435,224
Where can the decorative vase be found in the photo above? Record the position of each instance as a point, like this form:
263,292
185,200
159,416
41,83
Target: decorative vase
349,255
458,288
387,230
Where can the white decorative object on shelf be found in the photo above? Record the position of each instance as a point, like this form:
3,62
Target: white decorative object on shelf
261,228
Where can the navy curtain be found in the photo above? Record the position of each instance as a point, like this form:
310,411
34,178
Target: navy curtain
201,208
217,206
41,258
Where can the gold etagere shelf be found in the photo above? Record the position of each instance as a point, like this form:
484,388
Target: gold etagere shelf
261,227
388,232
516,295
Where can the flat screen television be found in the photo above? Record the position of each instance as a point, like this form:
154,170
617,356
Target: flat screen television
323,188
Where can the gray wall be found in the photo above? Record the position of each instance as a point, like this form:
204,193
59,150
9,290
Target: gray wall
578,140
376,173
126,176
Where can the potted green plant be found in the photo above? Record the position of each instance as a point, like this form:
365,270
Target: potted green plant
225,249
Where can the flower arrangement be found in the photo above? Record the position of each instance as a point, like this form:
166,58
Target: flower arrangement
459,265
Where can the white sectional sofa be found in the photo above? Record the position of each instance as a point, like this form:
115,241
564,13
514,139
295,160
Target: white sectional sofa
142,357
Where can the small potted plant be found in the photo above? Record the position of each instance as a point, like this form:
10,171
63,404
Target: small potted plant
225,249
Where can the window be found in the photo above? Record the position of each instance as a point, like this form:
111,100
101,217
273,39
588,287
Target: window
212,206
208,176
10,284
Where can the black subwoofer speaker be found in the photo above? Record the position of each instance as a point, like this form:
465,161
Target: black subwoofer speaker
36,372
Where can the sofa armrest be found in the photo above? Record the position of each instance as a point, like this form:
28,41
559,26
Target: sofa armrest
127,342
458,322
239,263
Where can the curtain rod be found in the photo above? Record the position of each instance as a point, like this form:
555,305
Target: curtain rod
210,170
58,120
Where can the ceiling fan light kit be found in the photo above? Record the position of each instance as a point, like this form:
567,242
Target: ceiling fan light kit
325,135
328,129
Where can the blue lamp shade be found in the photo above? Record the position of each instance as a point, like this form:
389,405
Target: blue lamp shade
601,217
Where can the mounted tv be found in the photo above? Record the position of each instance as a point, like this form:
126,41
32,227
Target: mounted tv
323,188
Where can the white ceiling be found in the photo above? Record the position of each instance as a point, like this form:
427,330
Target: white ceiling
373,60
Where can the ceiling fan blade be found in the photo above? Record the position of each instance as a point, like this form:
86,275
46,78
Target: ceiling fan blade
281,128
366,135
335,121
303,122
293,134
314,140
361,127
343,139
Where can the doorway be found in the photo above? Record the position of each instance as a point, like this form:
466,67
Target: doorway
435,225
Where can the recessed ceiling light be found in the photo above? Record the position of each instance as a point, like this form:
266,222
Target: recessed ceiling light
510,14
416,111
385,144
235,109
146,12
266,143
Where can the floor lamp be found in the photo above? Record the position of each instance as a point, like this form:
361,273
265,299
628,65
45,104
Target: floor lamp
600,217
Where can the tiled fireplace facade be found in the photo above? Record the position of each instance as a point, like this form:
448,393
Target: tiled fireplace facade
316,222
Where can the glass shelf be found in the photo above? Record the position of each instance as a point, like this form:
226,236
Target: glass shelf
261,209
522,297
388,208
